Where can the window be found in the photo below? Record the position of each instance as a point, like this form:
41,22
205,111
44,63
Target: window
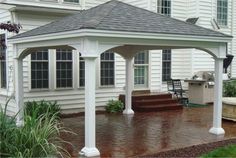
107,68
64,68
141,69
222,12
166,65
73,1
81,72
39,69
164,7
3,75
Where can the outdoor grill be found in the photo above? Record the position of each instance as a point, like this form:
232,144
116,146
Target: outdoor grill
201,87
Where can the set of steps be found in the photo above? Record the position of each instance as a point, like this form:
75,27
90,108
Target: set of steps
153,102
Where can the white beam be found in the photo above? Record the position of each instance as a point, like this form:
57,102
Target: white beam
129,86
19,91
218,90
90,149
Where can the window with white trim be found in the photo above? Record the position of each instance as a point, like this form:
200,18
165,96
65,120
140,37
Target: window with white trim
3,68
39,70
64,64
141,63
166,65
81,71
222,12
164,7
107,69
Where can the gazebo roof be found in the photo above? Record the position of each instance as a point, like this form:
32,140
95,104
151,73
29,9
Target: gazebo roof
118,16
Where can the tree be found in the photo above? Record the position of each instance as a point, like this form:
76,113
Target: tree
10,27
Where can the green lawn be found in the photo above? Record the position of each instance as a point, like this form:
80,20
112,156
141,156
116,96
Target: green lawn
228,151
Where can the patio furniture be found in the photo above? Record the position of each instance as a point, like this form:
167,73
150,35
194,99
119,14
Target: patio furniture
174,86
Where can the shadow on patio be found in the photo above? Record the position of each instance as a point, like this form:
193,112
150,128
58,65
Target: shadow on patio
146,133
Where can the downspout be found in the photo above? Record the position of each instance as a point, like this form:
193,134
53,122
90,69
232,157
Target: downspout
11,67
232,33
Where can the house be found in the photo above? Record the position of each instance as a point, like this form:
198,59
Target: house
88,39
59,74
44,77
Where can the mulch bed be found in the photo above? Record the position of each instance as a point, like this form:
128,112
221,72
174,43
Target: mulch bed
195,150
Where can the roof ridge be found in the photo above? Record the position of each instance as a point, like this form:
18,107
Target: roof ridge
105,14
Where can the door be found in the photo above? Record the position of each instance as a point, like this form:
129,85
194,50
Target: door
141,66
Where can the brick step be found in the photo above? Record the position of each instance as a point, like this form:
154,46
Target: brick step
148,96
155,108
154,102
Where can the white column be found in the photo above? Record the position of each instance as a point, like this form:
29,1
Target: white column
90,149
19,91
218,90
129,86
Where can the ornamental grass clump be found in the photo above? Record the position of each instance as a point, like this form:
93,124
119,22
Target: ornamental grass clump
39,137
114,106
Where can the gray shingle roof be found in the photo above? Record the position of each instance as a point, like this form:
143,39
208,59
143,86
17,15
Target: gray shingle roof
118,16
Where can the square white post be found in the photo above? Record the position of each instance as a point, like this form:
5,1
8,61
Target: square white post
129,86
218,91
90,149
19,91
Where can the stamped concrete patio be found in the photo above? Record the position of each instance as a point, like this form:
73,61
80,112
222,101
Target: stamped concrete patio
147,133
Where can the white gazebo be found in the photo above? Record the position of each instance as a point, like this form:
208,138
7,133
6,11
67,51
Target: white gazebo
126,30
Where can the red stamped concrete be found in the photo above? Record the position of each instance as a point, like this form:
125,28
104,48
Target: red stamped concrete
147,133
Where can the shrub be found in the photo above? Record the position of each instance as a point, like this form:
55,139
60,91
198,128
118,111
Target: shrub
230,89
114,106
7,126
36,109
39,137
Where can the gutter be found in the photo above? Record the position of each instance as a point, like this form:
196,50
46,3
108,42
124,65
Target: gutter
118,34
232,33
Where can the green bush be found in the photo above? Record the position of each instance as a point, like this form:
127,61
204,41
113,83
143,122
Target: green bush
230,88
36,109
114,106
228,151
39,137
7,126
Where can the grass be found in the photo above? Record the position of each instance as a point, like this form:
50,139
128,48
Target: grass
228,151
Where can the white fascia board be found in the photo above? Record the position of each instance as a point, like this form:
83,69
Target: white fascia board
6,6
45,4
119,34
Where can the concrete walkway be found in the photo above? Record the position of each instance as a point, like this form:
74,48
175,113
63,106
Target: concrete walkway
147,133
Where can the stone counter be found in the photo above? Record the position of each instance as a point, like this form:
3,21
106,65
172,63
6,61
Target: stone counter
229,108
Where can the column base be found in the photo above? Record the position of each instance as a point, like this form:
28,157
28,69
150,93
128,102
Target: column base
89,152
128,112
217,131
